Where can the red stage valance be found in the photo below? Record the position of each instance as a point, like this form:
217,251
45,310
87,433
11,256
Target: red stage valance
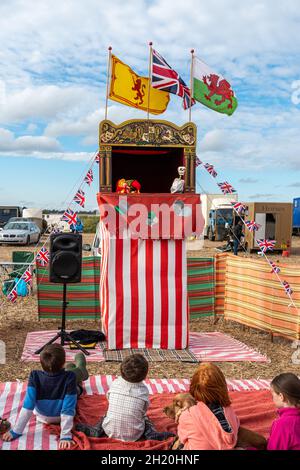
151,216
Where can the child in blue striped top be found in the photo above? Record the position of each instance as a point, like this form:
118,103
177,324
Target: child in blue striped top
52,394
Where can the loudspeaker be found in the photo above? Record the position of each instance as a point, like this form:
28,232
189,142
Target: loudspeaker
65,258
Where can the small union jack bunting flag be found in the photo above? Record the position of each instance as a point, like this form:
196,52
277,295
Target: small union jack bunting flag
89,177
12,296
211,170
43,256
198,161
226,188
70,217
27,276
275,268
97,158
252,225
266,245
287,287
239,207
80,197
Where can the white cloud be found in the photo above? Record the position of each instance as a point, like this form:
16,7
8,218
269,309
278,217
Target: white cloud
26,145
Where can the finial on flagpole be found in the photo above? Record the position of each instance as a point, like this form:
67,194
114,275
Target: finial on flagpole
109,48
192,51
150,43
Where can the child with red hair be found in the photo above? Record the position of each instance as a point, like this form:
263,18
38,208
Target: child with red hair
211,424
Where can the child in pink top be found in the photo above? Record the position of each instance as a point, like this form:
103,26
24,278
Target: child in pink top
285,431
211,424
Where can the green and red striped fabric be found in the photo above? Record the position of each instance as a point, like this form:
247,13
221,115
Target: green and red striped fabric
83,298
201,286
84,301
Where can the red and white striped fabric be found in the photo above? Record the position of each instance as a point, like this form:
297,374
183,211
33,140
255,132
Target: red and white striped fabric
143,292
37,436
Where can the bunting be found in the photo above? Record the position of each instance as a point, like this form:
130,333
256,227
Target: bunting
266,245
226,188
198,161
70,217
211,170
275,268
287,288
252,225
12,296
27,276
79,197
239,207
89,177
43,257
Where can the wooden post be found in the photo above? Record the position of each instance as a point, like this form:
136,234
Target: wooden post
108,169
107,79
187,170
191,85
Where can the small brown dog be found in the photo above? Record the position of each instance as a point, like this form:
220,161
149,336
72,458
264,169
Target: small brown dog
183,401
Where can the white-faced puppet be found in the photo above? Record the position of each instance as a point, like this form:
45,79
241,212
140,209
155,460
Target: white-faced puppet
178,183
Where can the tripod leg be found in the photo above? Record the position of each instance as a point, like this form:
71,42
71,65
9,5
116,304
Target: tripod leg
69,338
49,342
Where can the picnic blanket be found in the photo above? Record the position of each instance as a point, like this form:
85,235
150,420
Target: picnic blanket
252,403
212,346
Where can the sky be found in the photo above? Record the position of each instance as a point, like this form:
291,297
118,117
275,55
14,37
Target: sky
53,61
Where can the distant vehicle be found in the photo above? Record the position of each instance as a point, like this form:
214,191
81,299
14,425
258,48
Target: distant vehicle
217,211
296,216
7,212
95,247
20,233
34,215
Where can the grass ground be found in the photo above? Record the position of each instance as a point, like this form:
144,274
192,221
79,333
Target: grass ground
16,320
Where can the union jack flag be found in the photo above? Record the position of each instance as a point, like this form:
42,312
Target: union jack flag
265,245
198,161
239,207
226,188
42,257
211,170
275,268
70,217
97,158
12,296
287,287
89,177
166,79
80,197
252,225
27,276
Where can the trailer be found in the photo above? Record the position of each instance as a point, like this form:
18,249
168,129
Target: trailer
7,212
275,220
296,216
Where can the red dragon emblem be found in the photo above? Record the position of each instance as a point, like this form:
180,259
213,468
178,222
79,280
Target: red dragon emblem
140,90
221,88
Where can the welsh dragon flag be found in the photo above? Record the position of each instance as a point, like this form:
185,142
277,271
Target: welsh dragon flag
211,89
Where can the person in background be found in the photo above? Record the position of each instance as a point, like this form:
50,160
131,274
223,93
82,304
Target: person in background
237,235
52,394
128,402
78,227
285,431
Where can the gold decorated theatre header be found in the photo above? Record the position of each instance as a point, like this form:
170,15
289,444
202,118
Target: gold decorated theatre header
147,133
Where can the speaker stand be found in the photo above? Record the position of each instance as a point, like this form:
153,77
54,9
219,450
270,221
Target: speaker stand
62,334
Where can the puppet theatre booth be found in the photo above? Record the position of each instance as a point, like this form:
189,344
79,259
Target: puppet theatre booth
143,281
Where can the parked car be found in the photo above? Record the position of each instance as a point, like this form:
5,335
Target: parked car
20,233
95,247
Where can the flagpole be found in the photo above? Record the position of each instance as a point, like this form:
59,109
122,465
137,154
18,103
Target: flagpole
149,77
191,85
107,79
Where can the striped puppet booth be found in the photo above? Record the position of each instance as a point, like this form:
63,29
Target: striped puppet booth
143,280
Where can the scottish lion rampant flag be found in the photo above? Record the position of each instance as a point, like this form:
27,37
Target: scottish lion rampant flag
211,89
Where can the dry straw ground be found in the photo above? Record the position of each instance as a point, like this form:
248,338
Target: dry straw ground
18,319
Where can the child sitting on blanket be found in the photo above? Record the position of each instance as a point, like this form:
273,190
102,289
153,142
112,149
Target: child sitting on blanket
52,394
128,401
285,431
211,424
